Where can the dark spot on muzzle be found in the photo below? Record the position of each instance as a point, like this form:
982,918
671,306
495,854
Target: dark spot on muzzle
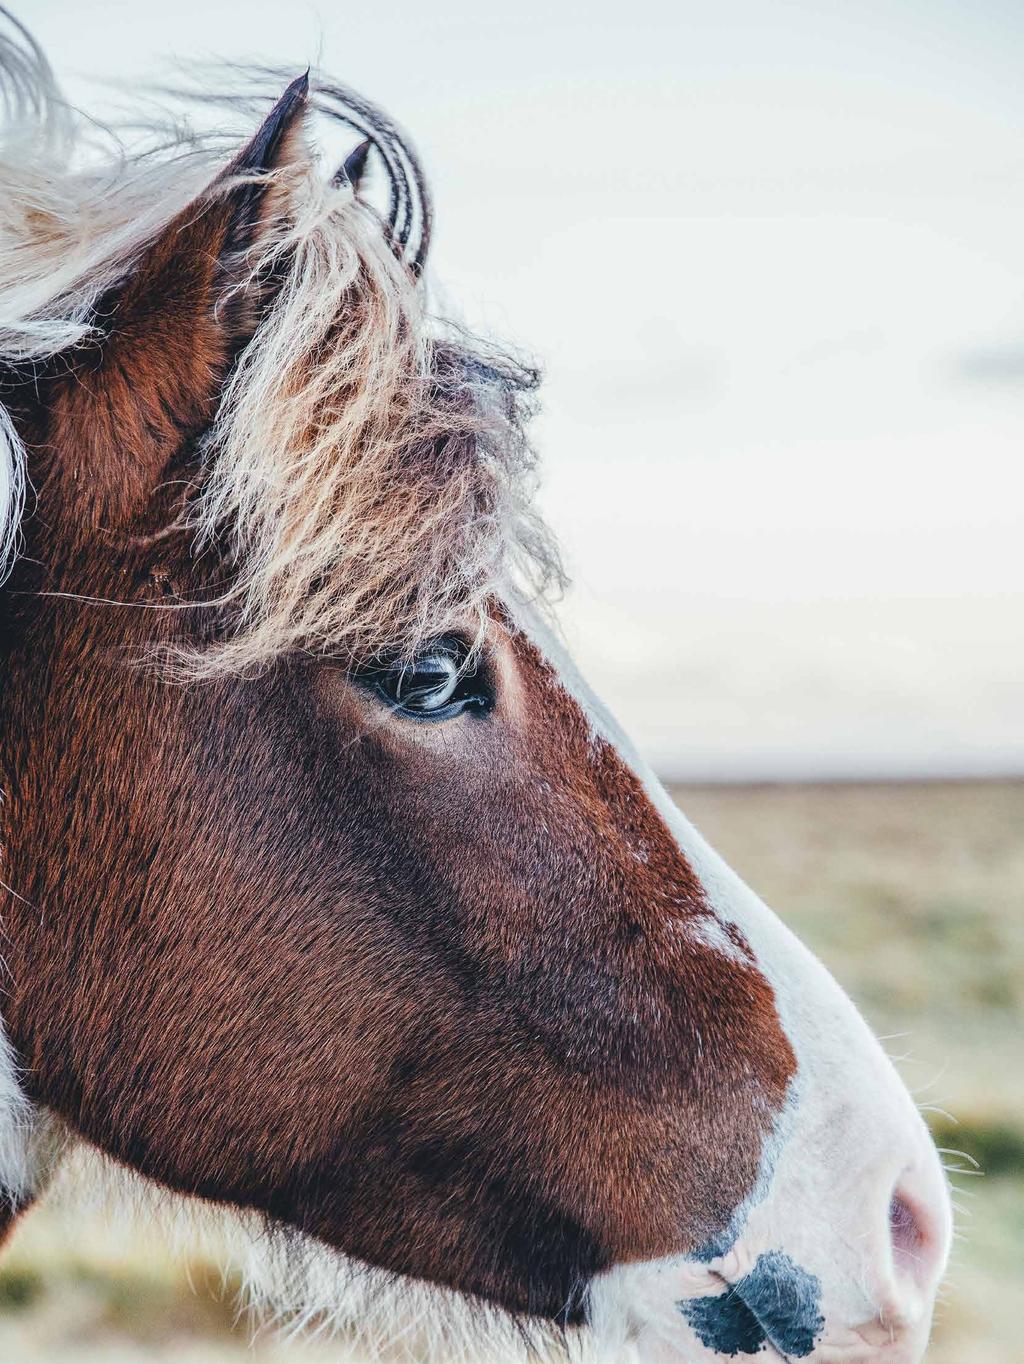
777,1302
786,1301
724,1324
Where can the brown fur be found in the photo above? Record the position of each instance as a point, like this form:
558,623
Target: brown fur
428,992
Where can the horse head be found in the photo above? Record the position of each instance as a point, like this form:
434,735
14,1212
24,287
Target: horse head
333,900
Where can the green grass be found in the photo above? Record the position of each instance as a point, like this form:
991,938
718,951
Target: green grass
914,897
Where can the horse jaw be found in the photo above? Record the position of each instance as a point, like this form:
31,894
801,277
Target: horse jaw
292,1284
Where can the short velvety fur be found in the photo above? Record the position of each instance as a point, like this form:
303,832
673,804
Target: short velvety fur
435,994
422,999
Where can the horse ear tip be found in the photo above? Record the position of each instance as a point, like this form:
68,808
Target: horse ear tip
353,167
295,93
286,113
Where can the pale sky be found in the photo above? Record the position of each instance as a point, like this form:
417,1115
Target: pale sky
771,256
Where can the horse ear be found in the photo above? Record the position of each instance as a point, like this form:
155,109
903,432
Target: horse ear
353,168
205,246
174,327
280,142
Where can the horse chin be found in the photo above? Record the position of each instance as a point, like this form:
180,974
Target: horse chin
296,1285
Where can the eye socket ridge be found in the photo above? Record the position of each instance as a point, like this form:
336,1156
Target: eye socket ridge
444,679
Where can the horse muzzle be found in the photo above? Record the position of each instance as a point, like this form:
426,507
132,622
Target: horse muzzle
839,1263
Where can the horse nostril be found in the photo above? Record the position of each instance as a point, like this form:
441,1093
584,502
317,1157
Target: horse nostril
903,1226
914,1247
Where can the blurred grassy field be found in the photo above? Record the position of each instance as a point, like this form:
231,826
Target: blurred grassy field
912,894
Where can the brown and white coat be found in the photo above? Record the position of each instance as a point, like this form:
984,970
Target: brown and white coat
444,993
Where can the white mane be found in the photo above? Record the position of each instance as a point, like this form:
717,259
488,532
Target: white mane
367,477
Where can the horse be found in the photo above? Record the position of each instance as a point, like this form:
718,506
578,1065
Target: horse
336,908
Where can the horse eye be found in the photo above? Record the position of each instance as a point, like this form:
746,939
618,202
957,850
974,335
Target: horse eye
442,681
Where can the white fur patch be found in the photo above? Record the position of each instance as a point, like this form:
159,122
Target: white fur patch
711,932
295,1284
19,1131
